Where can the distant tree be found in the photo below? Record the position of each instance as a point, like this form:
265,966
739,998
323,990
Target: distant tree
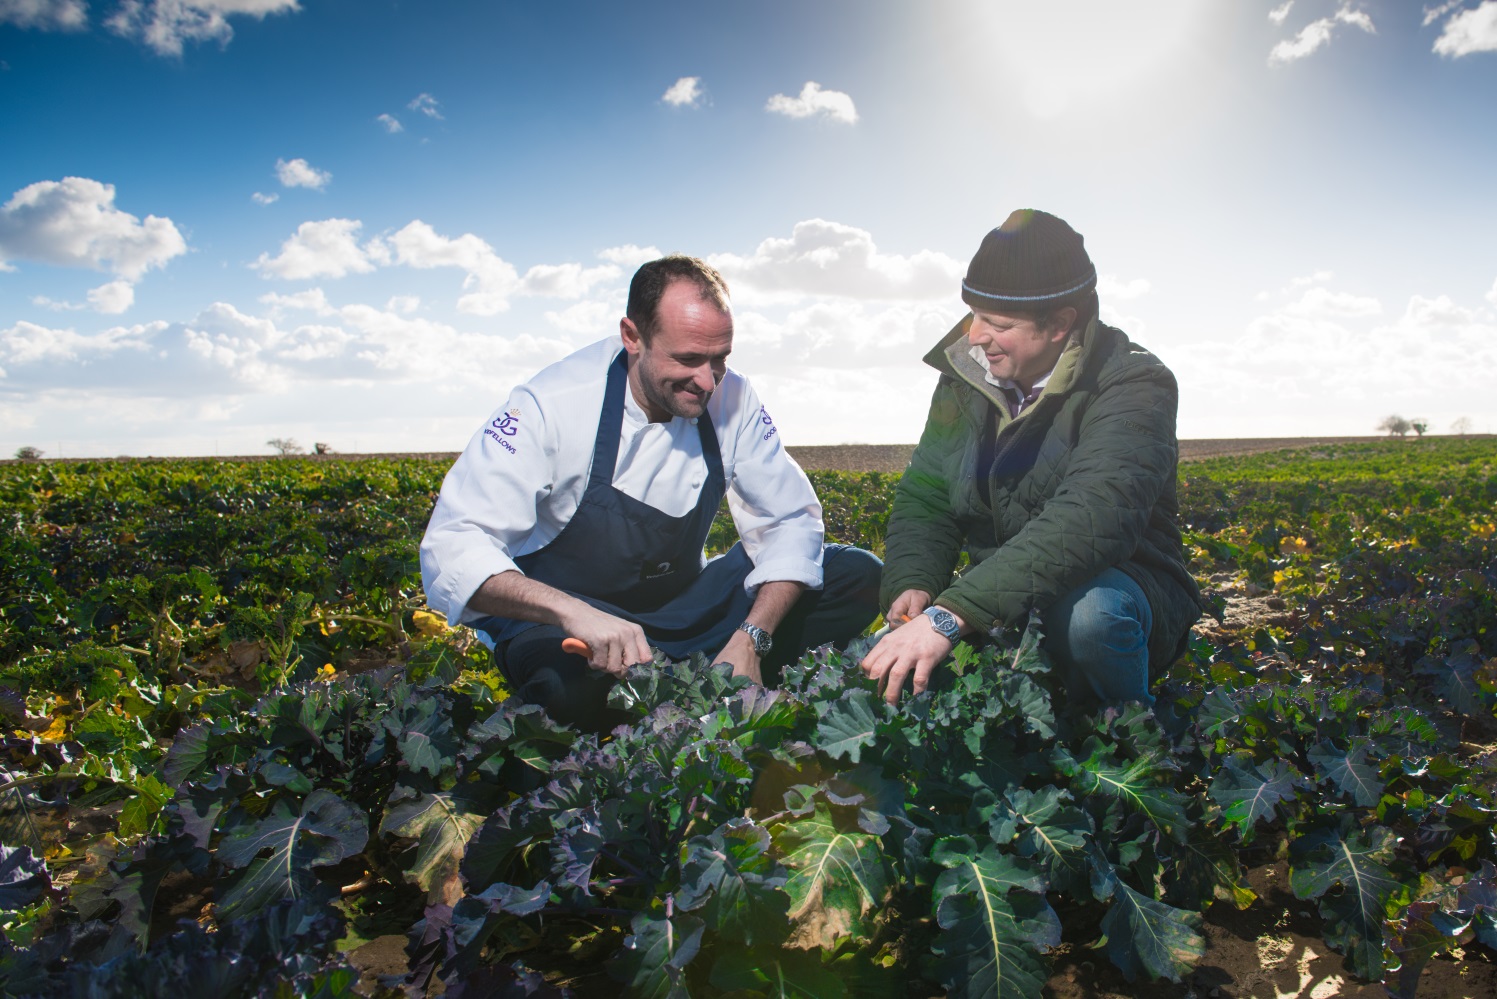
1395,425
1419,425
28,453
1461,425
285,445
322,448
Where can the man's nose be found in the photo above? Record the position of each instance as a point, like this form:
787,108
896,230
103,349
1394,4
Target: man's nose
704,379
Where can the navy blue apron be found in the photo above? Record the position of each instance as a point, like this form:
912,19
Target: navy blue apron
628,559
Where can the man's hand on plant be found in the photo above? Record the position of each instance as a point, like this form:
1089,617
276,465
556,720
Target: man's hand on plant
740,654
910,652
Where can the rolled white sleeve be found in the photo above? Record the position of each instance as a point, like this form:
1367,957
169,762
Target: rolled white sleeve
488,505
772,503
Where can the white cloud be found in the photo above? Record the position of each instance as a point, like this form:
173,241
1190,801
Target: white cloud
113,298
300,173
1319,277
1433,14
629,256
328,248
164,25
564,280
1323,303
45,15
828,258
685,92
264,199
74,223
1317,34
598,318
1428,313
490,279
813,100
1473,30
392,124
427,105
1492,294
27,343
404,304
1279,13
1110,286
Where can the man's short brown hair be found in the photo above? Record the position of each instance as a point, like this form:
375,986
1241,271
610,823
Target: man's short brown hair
651,280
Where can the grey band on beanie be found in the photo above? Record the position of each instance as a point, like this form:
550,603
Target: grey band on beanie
1031,259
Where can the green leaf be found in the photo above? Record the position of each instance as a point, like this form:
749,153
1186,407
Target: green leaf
326,830
656,953
1136,784
1354,859
1248,792
1148,937
836,876
847,725
139,813
1349,771
442,823
731,878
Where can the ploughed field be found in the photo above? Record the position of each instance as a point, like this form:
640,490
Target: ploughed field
240,755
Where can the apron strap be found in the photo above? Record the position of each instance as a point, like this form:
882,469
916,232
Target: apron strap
610,424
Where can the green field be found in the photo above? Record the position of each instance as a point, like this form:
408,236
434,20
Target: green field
238,746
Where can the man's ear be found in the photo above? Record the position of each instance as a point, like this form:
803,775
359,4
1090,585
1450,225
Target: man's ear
1061,322
629,333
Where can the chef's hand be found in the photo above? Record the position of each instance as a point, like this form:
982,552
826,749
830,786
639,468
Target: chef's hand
912,650
906,607
739,652
615,644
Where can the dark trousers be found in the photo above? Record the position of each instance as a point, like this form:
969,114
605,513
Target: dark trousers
572,693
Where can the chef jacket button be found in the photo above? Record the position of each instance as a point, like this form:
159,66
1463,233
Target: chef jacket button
696,483
693,421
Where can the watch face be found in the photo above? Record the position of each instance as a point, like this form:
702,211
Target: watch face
943,621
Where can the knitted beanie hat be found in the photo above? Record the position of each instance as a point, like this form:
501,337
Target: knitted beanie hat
1033,261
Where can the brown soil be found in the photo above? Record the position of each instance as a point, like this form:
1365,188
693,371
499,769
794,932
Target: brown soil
835,457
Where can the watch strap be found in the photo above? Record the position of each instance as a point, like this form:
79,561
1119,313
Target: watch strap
944,622
763,640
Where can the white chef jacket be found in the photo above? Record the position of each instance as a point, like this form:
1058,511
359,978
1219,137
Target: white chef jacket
523,473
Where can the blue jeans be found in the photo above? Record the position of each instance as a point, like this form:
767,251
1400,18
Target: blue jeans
1098,639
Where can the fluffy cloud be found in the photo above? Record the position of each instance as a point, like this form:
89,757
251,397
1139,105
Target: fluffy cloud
629,256
685,92
329,248
45,15
74,223
813,100
490,280
828,258
113,298
1473,30
1279,13
264,199
164,25
427,105
300,173
1324,303
28,344
1317,34
392,124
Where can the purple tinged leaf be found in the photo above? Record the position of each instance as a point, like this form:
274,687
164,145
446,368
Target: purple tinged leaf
656,954
23,877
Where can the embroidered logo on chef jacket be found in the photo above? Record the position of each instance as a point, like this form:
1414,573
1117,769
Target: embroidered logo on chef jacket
503,426
766,424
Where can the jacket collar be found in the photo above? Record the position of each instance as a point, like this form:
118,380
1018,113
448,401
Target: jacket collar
950,357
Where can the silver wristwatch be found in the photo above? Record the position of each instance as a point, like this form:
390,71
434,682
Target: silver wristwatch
763,641
944,622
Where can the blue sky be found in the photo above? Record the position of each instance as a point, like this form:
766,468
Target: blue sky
362,221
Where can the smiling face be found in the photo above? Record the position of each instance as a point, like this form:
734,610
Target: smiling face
677,370
1017,348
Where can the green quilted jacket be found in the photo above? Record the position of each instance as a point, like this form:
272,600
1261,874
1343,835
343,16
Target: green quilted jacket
1082,480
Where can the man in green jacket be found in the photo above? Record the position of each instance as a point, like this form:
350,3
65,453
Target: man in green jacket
1049,457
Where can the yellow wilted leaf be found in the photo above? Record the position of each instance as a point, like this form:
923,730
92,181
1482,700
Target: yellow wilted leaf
55,732
429,625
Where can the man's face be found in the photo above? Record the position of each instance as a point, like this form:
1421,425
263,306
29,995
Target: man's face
678,370
1017,349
